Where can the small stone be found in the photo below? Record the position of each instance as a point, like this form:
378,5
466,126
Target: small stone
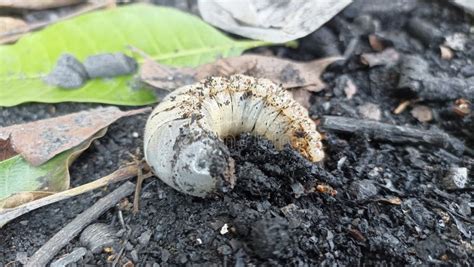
224,230
457,178
363,189
269,237
165,255
298,189
70,258
144,238
467,71
69,73
422,113
135,135
456,41
109,65
134,255
370,111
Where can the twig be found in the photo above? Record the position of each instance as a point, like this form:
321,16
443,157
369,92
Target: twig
138,189
43,255
117,176
441,206
416,76
393,133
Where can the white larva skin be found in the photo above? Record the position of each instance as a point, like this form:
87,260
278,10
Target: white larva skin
183,136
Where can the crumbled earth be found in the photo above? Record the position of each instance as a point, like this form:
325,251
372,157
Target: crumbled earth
395,204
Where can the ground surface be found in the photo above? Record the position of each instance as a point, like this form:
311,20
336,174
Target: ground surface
274,215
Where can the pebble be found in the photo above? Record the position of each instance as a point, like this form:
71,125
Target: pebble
370,111
468,71
109,65
363,189
144,238
457,178
69,73
70,258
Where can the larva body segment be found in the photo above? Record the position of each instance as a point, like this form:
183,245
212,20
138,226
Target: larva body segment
183,136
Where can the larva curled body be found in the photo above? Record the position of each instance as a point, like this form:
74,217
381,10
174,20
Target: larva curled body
183,136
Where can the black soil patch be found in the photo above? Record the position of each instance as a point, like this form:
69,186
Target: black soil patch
395,203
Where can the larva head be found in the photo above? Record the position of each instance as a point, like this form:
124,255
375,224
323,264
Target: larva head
308,144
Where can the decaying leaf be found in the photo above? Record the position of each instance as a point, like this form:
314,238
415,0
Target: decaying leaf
376,43
17,176
273,21
6,149
388,57
422,113
391,200
37,5
12,25
350,89
302,96
39,141
288,73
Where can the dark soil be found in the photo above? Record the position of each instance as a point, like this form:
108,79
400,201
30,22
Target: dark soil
393,203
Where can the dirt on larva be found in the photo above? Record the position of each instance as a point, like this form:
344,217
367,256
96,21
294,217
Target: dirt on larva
368,202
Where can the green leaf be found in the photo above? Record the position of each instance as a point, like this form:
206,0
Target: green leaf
167,35
18,176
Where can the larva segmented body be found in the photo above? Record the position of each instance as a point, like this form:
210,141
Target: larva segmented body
184,133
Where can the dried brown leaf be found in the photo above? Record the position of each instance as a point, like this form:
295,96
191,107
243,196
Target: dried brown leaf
37,5
302,96
288,73
350,90
422,113
376,43
392,200
12,25
6,149
41,140
388,57
446,52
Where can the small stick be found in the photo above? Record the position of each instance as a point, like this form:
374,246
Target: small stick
121,174
43,255
138,189
415,75
393,133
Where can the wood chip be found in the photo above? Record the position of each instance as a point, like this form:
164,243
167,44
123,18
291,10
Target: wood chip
446,52
370,111
402,107
387,57
422,113
350,90
376,43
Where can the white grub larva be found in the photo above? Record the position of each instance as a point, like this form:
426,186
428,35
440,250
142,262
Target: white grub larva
184,133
